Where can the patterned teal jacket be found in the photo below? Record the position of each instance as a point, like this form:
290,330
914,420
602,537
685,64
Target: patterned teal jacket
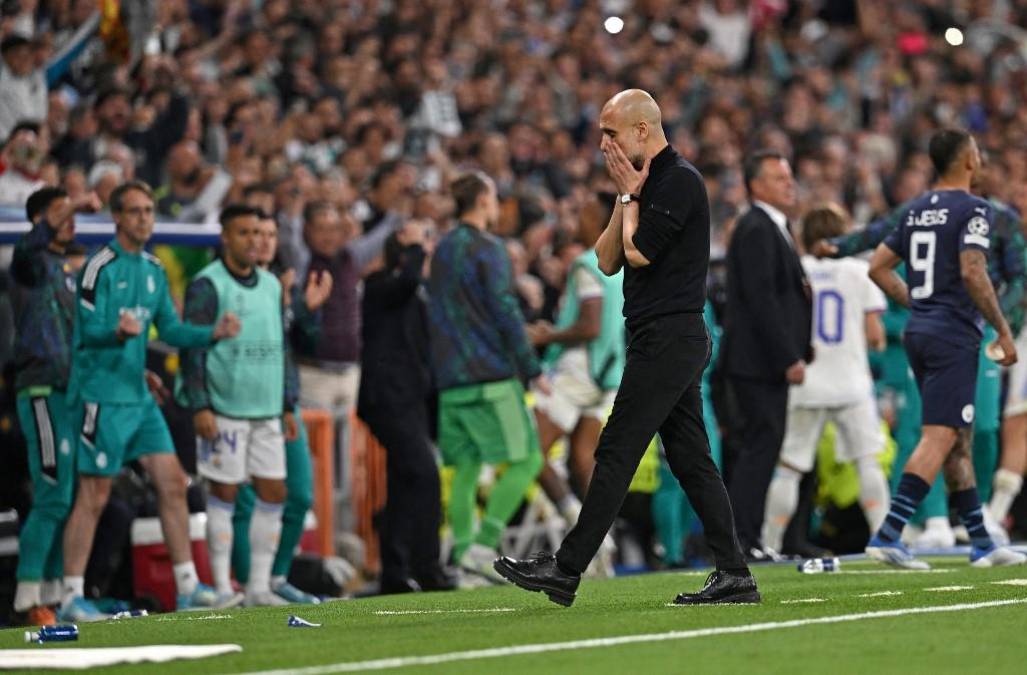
477,329
44,310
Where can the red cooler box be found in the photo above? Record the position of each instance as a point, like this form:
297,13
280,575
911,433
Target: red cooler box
151,565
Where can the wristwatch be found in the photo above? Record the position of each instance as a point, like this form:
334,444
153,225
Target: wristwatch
627,198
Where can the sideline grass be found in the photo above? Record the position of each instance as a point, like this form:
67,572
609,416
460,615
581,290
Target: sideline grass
360,630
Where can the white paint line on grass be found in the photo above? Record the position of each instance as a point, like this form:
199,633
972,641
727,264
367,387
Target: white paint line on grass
205,617
933,570
1011,582
949,589
879,594
400,612
540,648
800,601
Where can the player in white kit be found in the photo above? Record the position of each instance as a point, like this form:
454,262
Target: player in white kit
838,387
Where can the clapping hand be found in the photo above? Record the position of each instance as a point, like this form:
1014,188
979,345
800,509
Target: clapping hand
128,326
227,327
319,287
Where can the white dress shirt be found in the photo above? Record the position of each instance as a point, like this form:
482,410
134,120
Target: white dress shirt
779,218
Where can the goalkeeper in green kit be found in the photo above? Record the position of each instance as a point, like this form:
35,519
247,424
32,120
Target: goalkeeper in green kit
122,291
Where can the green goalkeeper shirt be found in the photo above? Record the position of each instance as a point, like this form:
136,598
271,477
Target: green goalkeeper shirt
113,281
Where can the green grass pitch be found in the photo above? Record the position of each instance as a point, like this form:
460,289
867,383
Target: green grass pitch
791,632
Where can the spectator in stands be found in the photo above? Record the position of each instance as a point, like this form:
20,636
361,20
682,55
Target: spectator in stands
23,84
151,141
195,190
330,373
23,156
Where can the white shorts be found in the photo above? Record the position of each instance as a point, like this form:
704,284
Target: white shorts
858,433
1016,397
573,399
242,449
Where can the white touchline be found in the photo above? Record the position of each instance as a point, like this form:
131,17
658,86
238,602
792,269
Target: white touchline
1011,582
802,600
393,612
518,650
879,594
933,570
949,589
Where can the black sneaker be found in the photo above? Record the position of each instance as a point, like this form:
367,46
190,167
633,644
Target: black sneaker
540,573
723,588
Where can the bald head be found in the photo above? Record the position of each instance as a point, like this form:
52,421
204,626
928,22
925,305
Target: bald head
632,120
633,106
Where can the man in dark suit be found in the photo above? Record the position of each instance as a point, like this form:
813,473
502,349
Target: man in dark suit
393,402
766,337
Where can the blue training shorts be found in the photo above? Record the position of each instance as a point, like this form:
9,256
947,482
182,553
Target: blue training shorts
946,375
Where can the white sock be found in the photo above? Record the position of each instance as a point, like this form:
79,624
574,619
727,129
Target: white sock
782,499
276,581
570,509
1005,487
51,591
219,542
874,496
186,579
265,528
74,587
27,596
937,523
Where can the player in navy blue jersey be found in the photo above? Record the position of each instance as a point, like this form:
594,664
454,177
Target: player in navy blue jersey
943,240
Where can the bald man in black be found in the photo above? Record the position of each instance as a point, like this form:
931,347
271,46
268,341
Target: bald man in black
659,234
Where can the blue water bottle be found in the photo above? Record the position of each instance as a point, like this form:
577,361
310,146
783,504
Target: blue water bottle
64,633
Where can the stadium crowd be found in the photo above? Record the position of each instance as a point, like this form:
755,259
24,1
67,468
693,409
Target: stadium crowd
346,122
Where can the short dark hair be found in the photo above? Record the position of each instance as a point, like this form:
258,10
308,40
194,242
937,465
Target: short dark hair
384,170
40,200
233,211
24,125
754,164
13,41
945,148
110,92
823,221
117,200
466,189
318,206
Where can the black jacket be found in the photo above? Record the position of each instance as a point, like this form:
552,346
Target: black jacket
395,360
769,313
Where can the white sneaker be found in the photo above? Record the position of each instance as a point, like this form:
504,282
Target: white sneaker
894,554
468,581
264,599
998,556
478,560
938,534
601,566
997,532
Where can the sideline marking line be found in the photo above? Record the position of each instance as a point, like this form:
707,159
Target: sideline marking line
400,612
539,648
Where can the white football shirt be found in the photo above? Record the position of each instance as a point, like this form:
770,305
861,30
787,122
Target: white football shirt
842,296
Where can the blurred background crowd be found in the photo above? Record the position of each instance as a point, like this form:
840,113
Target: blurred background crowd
343,117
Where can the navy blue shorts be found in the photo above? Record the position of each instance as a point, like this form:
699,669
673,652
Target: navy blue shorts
946,376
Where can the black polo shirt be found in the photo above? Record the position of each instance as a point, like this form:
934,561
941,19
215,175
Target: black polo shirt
674,236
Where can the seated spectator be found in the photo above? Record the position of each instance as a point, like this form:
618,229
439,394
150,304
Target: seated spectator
23,157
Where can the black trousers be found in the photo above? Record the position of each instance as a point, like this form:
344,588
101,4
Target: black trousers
408,532
762,409
660,392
